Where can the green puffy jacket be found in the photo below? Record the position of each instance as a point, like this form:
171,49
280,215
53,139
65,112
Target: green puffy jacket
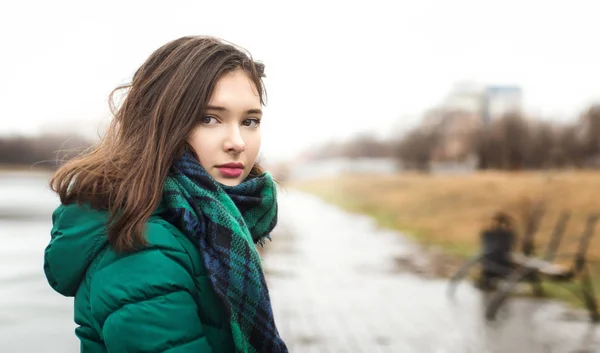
158,299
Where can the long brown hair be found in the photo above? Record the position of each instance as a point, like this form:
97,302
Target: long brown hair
126,171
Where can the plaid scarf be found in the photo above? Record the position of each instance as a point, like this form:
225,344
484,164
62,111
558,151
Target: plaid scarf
226,223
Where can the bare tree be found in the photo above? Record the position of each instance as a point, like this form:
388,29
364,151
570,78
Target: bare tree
543,143
590,133
368,146
415,148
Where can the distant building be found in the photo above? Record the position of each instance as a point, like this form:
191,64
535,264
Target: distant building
466,107
489,102
501,100
455,131
465,97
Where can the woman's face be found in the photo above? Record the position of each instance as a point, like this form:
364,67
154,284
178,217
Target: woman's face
227,137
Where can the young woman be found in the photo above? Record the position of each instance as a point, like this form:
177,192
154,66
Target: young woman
157,229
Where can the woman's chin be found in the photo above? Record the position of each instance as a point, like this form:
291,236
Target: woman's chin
227,181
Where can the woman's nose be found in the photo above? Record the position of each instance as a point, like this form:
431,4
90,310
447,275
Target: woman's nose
234,141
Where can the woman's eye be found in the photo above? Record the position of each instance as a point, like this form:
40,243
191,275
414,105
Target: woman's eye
208,120
251,122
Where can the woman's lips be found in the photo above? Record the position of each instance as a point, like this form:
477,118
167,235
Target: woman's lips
230,172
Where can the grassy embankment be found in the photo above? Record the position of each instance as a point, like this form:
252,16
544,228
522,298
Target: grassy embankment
448,211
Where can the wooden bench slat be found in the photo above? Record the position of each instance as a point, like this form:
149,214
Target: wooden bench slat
545,267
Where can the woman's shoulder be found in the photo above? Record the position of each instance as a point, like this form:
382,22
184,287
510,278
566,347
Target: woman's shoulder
165,253
165,245
163,235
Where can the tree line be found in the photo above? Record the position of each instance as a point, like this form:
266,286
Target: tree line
46,151
510,142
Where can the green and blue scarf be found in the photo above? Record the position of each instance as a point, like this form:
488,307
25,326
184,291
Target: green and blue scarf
227,223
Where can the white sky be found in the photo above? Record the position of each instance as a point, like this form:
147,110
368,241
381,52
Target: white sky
334,67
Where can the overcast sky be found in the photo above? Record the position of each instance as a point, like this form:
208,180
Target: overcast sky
334,67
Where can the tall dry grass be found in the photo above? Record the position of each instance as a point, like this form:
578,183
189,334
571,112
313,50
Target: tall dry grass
450,210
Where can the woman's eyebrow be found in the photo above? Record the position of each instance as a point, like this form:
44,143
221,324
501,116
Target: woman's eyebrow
223,109
254,111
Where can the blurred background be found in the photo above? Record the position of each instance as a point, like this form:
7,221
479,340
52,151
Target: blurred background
395,128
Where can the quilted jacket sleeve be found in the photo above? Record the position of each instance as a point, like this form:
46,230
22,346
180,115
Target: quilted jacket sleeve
144,302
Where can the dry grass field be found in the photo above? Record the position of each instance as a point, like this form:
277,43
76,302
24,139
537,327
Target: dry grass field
448,211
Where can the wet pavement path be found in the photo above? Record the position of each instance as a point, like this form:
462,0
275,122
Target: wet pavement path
335,287
33,318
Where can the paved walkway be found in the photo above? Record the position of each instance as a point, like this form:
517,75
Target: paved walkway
335,288
33,318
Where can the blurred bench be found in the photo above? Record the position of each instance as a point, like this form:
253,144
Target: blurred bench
525,266
549,270
492,270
